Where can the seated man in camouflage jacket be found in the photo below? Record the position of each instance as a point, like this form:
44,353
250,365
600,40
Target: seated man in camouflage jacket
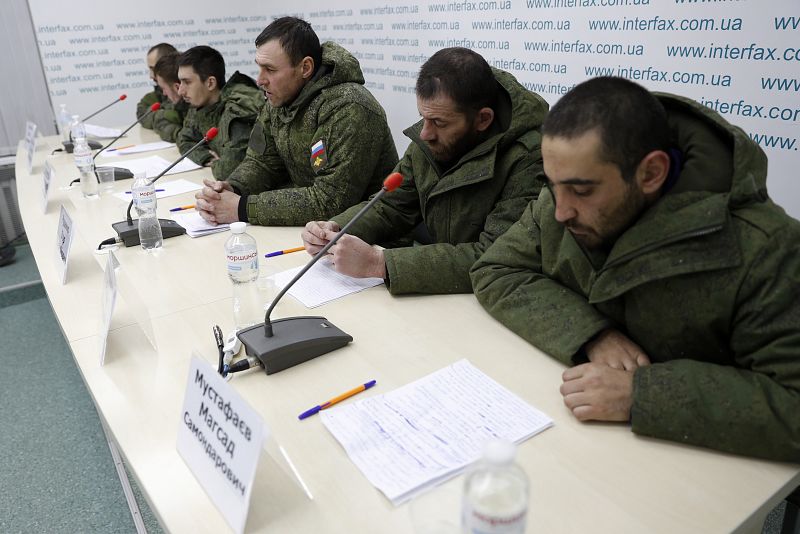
321,143
656,266
230,106
155,53
168,120
471,168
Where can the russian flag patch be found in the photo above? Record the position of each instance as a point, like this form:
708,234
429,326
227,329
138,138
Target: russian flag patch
319,156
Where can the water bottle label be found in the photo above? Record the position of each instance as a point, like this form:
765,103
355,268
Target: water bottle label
144,198
83,160
241,261
484,522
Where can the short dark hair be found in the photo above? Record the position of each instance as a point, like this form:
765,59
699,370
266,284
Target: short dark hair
162,49
631,121
462,75
296,37
167,67
206,62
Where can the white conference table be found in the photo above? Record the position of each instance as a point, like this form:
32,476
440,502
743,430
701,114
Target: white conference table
584,477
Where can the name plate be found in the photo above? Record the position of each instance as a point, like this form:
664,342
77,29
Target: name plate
47,179
30,143
64,235
220,438
109,301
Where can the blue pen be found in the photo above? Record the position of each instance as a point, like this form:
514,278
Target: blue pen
157,191
340,398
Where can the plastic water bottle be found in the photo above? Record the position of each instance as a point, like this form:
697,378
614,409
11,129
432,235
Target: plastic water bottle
242,255
144,199
495,493
64,121
83,158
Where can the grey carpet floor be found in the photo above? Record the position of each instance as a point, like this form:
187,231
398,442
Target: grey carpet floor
57,474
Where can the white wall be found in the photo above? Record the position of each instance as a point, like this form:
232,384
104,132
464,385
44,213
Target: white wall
741,57
23,93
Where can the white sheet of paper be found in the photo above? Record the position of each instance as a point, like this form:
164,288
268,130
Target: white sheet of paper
169,189
101,132
109,300
196,226
136,149
220,454
322,284
153,165
430,430
64,234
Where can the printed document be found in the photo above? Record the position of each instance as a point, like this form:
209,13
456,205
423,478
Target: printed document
429,431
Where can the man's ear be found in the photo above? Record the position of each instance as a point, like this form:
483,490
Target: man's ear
653,171
307,67
211,83
483,119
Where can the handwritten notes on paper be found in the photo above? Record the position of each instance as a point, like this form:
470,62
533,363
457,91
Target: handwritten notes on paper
322,284
430,430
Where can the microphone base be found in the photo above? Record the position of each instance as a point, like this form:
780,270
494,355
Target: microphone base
120,173
129,233
295,340
69,146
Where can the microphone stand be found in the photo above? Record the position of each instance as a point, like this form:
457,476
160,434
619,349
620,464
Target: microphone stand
286,342
121,173
128,230
69,146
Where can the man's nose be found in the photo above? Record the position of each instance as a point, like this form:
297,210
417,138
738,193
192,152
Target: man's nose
565,211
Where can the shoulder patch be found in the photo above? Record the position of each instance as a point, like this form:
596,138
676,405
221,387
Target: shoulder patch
319,156
258,141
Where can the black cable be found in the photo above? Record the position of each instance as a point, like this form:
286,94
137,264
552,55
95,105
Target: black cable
109,241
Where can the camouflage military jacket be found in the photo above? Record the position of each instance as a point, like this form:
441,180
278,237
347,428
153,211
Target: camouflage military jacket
168,121
156,95
234,115
465,208
707,282
326,151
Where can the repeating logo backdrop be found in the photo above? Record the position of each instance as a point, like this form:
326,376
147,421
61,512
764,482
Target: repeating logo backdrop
739,57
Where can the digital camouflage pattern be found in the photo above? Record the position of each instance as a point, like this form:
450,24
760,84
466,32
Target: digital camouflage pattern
168,121
707,282
234,115
465,208
156,95
283,184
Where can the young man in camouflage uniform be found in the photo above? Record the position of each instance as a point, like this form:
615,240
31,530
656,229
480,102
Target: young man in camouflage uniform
156,95
658,267
230,106
168,120
472,167
321,143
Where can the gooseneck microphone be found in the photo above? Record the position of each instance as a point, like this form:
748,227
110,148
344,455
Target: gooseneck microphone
69,145
121,173
128,230
120,99
155,107
283,343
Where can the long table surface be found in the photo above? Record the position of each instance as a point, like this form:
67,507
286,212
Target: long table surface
584,477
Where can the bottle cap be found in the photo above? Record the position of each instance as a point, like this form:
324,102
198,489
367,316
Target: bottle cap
499,452
238,227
